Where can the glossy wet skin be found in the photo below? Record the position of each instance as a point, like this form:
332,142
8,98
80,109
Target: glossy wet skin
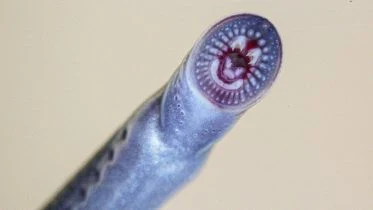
237,60
167,140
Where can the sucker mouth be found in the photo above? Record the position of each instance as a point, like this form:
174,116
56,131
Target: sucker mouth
237,60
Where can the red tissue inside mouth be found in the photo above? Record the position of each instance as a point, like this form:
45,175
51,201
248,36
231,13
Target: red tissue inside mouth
239,61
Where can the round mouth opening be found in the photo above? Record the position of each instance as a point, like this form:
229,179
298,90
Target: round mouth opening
237,60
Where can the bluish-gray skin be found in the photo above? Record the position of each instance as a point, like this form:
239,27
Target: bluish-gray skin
167,140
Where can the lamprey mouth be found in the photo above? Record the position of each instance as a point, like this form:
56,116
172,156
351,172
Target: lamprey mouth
237,60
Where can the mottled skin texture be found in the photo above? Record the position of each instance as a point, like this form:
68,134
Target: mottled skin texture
167,140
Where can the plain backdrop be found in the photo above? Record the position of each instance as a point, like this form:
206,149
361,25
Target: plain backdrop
72,71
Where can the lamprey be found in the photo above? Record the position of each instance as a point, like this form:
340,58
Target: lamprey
166,141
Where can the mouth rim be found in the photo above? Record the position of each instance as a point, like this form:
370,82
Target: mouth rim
193,55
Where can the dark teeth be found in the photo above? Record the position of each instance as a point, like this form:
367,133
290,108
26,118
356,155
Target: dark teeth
237,60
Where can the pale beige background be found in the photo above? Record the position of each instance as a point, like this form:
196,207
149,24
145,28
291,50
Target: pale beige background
72,71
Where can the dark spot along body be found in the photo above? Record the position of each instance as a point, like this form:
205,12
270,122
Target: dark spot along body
79,187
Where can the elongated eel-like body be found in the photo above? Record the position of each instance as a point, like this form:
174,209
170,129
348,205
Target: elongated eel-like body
166,141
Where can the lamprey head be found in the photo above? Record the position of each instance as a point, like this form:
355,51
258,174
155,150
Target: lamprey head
236,61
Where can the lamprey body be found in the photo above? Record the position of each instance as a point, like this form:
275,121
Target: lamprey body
167,140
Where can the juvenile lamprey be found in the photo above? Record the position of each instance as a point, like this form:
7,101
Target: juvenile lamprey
165,142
